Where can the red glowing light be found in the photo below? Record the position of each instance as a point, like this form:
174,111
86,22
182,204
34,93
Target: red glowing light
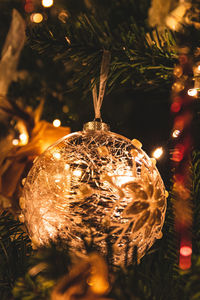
183,59
179,178
184,262
28,7
178,153
175,107
186,250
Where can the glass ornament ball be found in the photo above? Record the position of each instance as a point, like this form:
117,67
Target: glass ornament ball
95,183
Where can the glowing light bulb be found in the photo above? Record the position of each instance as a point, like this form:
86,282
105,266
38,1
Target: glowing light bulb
56,123
57,155
15,142
23,138
175,107
192,92
36,18
47,3
186,250
198,68
171,22
77,173
67,167
58,177
175,133
157,153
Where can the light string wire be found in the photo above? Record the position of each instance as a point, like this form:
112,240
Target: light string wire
97,100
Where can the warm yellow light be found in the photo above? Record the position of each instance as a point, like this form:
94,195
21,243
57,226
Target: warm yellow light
175,133
58,177
36,18
15,142
57,155
77,173
171,22
63,15
47,3
158,153
192,92
56,123
23,138
98,284
67,167
65,109
198,67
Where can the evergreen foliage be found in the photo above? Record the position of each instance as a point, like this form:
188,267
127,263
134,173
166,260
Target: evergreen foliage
142,59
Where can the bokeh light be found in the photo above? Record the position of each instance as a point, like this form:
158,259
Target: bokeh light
158,152
47,3
192,92
56,123
36,18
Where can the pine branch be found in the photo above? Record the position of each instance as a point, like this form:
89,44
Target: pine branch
139,59
196,201
14,248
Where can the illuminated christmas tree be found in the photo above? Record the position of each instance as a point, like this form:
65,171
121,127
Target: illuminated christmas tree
88,223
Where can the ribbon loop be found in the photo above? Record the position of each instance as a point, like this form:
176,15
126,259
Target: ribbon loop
102,84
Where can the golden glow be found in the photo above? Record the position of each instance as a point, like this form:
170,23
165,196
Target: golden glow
58,178
47,3
67,167
56,123
36,18
65,109
98,284
158,153
15,142
63,15
175,133
192,92
77,173
23,138
137,144
171,22
198,67
57,155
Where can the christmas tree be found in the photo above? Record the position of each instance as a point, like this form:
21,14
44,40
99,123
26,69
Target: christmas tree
141,59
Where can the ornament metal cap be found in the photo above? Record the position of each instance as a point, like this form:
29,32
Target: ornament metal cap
96,126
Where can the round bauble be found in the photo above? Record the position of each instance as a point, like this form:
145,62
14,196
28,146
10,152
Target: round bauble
91,183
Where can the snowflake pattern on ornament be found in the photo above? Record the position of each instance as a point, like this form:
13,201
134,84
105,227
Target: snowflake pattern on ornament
95,183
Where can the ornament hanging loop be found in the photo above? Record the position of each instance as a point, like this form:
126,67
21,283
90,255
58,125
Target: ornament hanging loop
97,100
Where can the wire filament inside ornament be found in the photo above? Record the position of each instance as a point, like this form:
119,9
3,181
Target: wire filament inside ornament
93,187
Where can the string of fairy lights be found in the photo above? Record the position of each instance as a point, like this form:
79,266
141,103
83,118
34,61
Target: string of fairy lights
23,137
30,7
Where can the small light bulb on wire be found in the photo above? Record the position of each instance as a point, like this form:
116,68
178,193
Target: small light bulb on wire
47,3
158,152
56,123
175,133
15,142
23,138
192,92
